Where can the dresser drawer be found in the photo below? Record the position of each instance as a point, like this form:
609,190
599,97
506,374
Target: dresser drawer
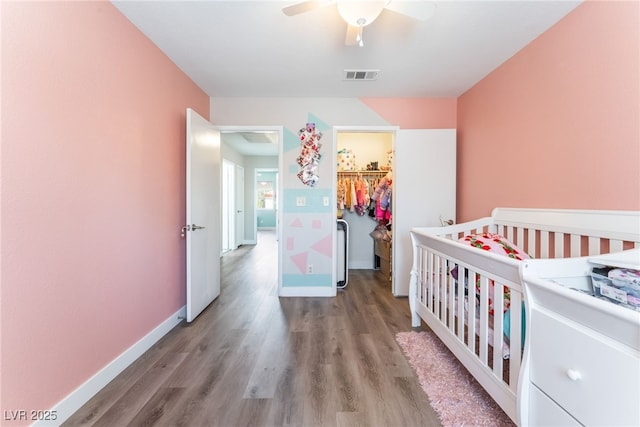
593,378
544,411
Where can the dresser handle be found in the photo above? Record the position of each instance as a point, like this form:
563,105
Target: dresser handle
573,374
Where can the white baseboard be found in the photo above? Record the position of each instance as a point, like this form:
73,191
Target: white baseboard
70,404
360,265
308,291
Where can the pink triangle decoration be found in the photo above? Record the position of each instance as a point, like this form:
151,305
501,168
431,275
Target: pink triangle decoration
324,246
297,223
300,261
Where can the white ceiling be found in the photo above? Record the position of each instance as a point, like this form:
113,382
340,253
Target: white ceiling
252,143
252,49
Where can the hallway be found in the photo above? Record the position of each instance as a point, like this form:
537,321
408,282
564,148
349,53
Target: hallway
253,359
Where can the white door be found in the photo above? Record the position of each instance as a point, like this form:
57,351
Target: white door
424,189
239,199
203,214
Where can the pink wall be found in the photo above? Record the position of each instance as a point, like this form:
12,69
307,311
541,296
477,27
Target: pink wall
558,124
92,193
415,113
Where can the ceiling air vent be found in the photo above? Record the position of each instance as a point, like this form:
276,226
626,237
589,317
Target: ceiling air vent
361,74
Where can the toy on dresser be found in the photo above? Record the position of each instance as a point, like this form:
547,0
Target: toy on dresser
617,279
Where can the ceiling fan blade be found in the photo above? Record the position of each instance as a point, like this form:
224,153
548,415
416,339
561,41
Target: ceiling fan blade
305,6
420,10
351,38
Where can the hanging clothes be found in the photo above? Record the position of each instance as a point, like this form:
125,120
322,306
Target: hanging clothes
362,195
341,192
382,196
384,183
354,197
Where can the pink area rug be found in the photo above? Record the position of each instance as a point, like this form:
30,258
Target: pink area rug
453,393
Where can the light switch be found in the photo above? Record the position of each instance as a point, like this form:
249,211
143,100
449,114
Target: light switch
325,201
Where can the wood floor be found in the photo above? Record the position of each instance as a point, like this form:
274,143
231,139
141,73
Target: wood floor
253,359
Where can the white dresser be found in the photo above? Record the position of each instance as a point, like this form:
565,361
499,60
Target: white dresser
581,364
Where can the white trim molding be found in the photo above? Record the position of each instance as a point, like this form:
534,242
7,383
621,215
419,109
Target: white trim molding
307,291
74,401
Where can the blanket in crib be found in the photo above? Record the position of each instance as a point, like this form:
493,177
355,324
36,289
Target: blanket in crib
497,244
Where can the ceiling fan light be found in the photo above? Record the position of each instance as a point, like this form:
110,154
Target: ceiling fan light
360,13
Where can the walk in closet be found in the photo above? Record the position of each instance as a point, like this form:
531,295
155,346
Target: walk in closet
364,164
421,167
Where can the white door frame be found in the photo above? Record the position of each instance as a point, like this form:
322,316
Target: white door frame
228,206
239,205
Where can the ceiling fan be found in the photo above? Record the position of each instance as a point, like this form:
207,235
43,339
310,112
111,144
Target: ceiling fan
360,13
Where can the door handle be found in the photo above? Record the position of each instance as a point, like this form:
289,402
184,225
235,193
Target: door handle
185,228
444,223
238,211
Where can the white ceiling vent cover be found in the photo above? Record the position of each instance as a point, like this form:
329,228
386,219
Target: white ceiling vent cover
361,74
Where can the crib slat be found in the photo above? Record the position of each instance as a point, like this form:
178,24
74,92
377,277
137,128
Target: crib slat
558,245
460,305
544,244
498,306
594,245
421,273
616,245
484,318
531,249
429,279
575,245
436,287
443,290
520,237
422,253
423,276
452,298
471,302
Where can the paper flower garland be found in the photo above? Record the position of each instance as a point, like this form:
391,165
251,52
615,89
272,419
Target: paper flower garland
309,154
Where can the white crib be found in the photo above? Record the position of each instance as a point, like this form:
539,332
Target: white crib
473,335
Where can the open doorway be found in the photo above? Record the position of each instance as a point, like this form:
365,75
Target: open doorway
249,149
266,200
364,161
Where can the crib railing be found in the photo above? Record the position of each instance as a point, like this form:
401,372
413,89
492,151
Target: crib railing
472,324
565,233
560,233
